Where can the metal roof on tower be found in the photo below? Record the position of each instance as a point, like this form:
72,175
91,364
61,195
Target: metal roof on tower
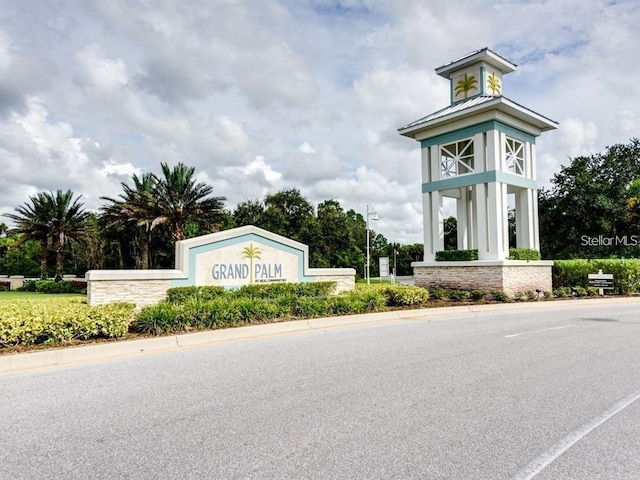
476,105
483,55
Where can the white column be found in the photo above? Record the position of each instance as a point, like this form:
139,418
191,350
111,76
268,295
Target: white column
472,221
479,160
495,225
429,252
426,165
437,222
462,210
527,228
494,150
434,161
534,221
482,234
504,200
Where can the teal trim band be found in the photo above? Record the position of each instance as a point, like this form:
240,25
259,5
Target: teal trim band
475,129
483,81
516,180
514,133
470,179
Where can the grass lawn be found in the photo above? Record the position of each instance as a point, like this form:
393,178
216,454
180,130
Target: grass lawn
4,296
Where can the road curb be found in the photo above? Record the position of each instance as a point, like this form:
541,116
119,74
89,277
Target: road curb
22,362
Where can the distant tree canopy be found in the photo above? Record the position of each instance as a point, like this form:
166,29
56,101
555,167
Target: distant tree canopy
138,228
592,209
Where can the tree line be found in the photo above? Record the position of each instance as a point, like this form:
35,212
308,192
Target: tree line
138,228
591,210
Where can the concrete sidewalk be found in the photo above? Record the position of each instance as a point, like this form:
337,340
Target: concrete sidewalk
55,357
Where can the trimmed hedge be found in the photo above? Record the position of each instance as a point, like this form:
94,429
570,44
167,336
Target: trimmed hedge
51,286
574,273
181,294
456,255
267,290
190,309
524,254
51,321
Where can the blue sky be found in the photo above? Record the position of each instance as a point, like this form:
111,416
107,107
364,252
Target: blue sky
268,94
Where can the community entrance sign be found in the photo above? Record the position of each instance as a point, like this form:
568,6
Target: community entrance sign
242,256
231,259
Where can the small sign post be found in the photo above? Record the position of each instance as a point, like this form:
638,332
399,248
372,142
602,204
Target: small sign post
601,281
384,267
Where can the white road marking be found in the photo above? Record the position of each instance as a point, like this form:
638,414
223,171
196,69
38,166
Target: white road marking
538,331
547,458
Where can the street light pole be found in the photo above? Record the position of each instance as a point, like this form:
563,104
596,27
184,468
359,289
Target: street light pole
374,216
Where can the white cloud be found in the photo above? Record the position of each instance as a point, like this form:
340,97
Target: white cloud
306,148
260,96
95,71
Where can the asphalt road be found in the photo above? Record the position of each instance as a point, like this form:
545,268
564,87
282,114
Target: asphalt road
545,394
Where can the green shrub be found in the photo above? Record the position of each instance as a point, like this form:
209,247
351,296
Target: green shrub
341,304
62,286
437,293
547,294
518,296
51,321
182,294
29,286
456,255
562,292
524,254
580,291
500,296
478,295
530,295
275,290
405,295
458,295
160,318
571,273
308,307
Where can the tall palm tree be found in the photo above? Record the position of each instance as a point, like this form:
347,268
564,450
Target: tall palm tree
33,222
136,205
181,200
68,222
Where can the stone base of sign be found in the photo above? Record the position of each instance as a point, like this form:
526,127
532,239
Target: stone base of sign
509,276
146,287
142,287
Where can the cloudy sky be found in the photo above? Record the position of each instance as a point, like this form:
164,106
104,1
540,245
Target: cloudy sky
261,95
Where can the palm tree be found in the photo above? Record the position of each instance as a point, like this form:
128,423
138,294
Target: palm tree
466,84
68,222
251,252
33,222
181,200
136,205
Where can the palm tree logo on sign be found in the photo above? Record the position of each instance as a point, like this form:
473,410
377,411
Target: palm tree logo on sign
250,253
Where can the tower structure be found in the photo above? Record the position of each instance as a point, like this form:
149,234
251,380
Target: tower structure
479,150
